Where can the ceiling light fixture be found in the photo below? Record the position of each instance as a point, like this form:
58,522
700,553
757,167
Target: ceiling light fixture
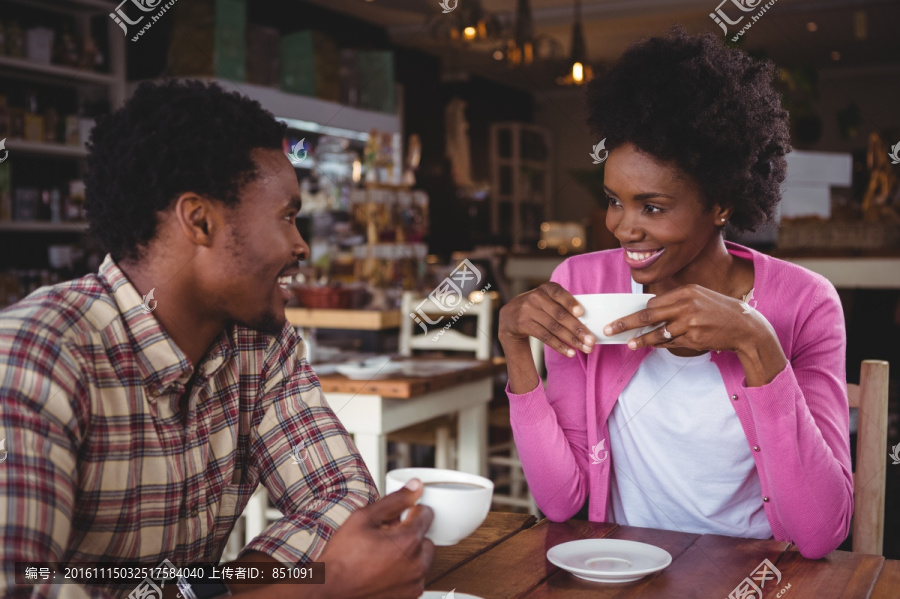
580,71
468,23
522,46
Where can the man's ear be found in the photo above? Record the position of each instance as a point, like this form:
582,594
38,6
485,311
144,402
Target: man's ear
198,217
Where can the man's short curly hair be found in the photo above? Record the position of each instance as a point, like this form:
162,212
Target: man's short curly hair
170,138
710,110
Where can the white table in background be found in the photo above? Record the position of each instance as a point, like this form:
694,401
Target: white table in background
424,389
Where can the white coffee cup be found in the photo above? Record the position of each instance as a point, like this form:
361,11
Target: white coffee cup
600,309
460,504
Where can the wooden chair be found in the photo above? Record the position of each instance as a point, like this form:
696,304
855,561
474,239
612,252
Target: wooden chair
451,339
870,397
439,431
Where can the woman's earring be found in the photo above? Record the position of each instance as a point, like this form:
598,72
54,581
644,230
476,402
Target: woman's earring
723,220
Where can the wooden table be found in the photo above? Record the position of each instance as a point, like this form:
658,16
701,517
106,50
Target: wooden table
356,320
426,389
507,558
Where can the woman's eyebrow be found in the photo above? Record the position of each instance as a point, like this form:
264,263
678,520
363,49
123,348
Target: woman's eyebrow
647,195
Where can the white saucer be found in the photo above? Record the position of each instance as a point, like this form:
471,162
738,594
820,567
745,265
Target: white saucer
609,560
359,371
446,595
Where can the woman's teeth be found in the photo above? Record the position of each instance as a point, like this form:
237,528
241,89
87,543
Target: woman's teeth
285,281
640,255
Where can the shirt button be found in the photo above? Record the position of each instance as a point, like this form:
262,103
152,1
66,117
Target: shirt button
195,511
756,448
766,499
734,397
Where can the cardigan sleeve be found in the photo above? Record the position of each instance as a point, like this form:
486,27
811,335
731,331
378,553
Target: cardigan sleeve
802,424
550,431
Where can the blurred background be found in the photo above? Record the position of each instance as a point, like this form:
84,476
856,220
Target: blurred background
425,132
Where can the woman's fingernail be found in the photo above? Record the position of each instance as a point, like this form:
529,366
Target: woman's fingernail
577,310
570,352
632,344
414,484
586,349
589,339
608,330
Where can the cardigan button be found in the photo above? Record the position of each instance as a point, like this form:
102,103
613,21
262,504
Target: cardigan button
766,499
756,448
734,397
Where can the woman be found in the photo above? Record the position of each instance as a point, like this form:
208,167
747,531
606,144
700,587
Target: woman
733,417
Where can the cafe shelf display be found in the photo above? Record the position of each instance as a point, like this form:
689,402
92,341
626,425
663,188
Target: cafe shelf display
363,221
395,221
60,71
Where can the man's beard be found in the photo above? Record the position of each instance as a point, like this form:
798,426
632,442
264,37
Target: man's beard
267,324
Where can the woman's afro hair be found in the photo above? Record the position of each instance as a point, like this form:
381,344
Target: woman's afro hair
708,109
169,138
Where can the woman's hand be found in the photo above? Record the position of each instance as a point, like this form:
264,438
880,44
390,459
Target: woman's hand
696,318
700,319
548,313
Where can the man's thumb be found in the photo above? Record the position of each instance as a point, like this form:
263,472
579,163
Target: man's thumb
391,507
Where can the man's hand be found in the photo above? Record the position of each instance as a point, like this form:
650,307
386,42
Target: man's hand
374,555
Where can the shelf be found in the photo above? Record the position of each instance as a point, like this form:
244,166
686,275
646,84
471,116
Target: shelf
63,73
359,320
47,149
43,227
855,273
306,113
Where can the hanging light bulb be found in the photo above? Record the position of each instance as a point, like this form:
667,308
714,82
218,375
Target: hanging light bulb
468,23
522,47
580,71
524,31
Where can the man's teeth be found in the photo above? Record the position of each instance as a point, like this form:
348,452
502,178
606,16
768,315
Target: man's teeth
286,280
640,255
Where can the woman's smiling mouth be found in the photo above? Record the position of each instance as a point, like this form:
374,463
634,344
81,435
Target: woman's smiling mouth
642,259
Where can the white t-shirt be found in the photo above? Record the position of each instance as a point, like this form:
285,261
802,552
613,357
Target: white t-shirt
680,457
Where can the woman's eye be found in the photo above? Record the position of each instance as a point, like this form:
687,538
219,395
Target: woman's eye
290,218
612,201
653,209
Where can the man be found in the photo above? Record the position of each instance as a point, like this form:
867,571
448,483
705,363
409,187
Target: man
142,405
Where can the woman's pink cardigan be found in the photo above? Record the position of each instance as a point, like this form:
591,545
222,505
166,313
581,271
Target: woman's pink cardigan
798,422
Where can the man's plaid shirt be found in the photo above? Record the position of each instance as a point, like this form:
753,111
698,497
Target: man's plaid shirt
102,467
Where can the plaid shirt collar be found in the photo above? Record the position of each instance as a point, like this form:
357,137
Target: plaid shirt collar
163,367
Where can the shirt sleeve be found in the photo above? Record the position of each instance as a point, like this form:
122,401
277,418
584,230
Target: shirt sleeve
550,431
802,425
306,460
41,420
